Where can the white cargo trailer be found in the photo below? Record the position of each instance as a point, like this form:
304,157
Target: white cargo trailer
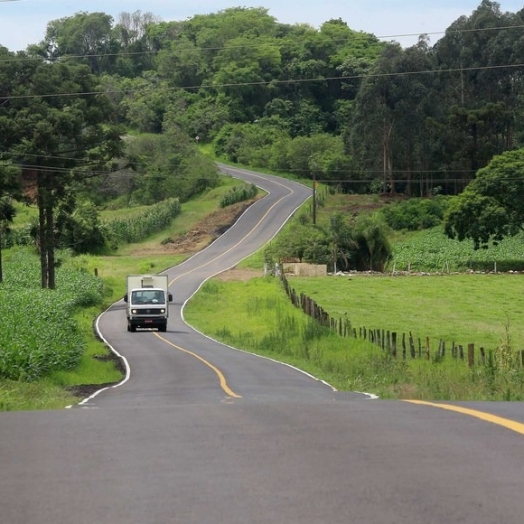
147,299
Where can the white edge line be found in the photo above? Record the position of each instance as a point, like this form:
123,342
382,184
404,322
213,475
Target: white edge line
126,363
370,396
121,357
124,360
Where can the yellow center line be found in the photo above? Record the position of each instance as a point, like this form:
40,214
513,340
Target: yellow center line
238,243
221,377
518,427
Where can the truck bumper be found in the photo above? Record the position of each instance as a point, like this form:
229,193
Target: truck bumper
146,322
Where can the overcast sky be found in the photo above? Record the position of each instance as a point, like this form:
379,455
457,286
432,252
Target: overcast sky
24,22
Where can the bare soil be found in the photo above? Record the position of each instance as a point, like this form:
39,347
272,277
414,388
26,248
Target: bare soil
202,234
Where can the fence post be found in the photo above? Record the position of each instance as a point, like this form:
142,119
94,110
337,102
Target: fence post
404,346
471,355
394,344
427,348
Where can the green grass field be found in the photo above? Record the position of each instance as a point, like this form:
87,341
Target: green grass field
467,308
257,316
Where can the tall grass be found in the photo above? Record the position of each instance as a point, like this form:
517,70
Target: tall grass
238,194
257,316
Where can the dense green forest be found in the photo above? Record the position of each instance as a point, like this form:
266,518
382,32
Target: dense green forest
104,111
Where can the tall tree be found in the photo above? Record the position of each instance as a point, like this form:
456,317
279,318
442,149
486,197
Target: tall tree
60,131
87,37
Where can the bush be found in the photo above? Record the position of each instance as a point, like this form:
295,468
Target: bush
416,213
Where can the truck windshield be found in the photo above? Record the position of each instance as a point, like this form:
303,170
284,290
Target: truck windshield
147,296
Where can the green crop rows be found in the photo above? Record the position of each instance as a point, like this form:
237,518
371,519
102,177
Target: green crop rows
37,331
431,250
137,228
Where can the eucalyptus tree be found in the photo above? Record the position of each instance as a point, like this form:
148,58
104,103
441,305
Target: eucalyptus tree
479,89
85,38
373,119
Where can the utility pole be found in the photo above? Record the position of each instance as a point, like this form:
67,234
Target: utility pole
314,195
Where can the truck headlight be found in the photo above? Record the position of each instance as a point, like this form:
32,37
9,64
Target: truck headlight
134,311
162,311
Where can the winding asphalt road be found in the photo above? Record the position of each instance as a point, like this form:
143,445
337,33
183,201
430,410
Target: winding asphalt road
203,433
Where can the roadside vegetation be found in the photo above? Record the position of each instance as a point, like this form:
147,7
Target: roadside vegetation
107,166
257,316
49,354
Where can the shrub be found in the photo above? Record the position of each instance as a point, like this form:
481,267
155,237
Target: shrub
416,213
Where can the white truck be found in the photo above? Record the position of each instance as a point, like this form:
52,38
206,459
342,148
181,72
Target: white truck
147,299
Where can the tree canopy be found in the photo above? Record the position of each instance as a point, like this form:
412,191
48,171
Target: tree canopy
490,207
329,102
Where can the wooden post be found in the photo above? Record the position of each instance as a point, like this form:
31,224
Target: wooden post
404,346
482,356
394,344
461,352
471,355
427,348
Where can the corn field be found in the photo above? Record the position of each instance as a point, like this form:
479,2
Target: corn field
38,333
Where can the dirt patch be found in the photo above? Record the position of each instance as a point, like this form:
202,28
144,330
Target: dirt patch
239,274
201,234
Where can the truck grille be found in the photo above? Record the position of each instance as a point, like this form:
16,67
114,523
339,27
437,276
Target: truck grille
151,311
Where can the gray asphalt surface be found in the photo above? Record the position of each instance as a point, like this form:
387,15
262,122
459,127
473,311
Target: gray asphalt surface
204,433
